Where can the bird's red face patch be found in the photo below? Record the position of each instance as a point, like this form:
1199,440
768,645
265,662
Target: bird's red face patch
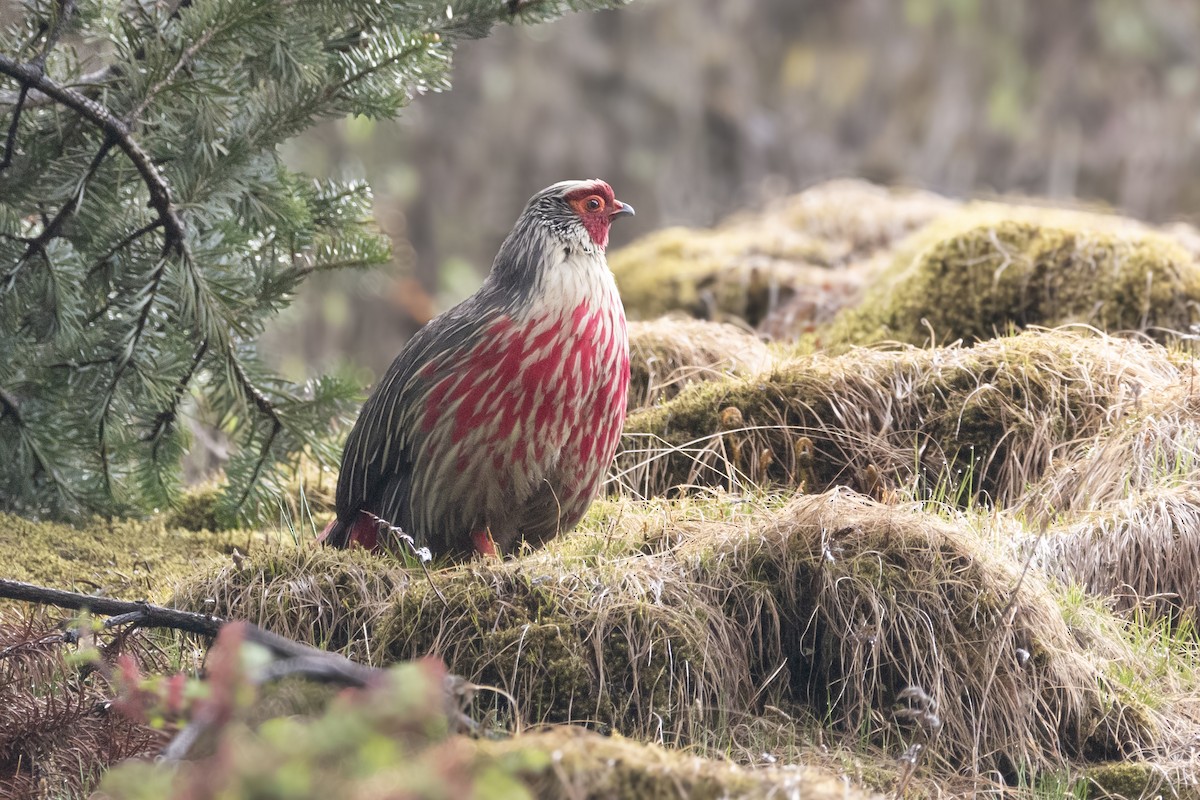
595,205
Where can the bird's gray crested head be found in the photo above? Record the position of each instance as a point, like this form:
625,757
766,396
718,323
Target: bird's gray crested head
578,212
570,215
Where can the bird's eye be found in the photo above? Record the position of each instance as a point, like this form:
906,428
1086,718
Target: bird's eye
593,203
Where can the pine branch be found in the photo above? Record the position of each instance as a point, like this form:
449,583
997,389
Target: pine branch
53,227
31,76
165,419
10,140
123,362
151,304
66,10
9,406
123,243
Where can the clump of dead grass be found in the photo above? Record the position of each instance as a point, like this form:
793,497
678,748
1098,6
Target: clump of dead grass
669,626
58,728
668,354
1142,551
962,424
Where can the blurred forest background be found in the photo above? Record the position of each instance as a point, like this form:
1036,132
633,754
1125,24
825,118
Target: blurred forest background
694,109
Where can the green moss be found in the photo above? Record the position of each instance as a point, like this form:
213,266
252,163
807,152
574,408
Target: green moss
197,510
1135,780
813,243
584,765
124,558
986,279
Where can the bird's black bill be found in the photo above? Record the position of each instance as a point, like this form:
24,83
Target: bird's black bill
622,210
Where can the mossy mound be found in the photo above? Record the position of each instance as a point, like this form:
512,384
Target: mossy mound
721,274
370,743
754,264
671,353
965,424
578,764
991,276
1139,780
668,624
130,559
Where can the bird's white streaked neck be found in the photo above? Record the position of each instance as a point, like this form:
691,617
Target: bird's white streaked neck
575,275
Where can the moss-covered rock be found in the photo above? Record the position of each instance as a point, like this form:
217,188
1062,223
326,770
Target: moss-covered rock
755,264
1138,780
718,274
979,277
580,765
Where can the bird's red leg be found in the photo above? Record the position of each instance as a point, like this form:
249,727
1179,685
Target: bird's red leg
364,533
483,542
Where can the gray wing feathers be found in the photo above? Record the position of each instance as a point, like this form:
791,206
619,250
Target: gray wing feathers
378,459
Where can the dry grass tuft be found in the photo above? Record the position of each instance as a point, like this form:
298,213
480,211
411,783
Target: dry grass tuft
1142,551
671,353
861,217
958,424
672,626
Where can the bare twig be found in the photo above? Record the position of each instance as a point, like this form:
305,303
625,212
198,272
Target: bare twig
151,616
293,658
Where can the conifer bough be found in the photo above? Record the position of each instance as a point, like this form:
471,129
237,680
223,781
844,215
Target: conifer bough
148,229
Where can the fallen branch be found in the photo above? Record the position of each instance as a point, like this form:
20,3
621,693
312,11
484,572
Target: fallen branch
140,614
293,658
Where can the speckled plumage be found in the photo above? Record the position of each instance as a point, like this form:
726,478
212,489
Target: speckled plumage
500,418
